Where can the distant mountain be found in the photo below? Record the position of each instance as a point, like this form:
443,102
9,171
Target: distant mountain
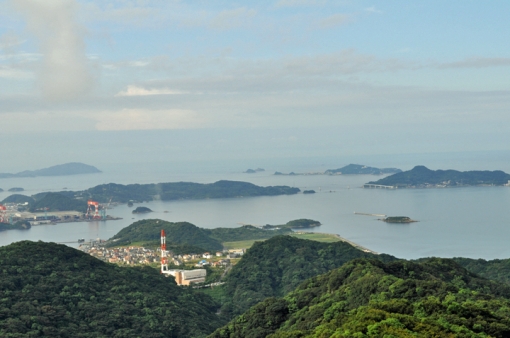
357,169
73,168
422,177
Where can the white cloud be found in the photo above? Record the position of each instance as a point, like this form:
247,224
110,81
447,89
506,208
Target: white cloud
296,3
372,10
12,73
335,20
477,62
234,18
144,119
64,73
140,91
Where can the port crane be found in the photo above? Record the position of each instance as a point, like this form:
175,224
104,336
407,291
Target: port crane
92,210
96,210
3,214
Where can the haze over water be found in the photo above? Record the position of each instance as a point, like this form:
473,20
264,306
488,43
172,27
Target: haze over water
468,222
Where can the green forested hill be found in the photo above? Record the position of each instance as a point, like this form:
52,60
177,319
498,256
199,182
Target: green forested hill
52,290
368,298
53,201
277,265
18,198
182,233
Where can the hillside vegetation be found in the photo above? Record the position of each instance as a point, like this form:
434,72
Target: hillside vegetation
188,235
53,201
368,298
276,266
181,233
52,290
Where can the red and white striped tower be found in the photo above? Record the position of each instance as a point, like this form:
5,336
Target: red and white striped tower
164,258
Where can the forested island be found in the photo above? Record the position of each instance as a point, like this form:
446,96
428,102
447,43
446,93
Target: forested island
73,168
422,177
136,193
351,169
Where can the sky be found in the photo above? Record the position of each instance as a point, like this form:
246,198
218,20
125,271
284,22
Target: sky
241,79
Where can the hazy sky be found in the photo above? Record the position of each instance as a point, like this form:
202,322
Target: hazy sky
394,76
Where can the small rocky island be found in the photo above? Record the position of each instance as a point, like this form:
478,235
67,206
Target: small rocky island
398,219
141,210
253,171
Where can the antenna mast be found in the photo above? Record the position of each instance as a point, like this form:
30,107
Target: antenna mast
164,258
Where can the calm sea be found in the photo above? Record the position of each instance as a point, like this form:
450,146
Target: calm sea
468,222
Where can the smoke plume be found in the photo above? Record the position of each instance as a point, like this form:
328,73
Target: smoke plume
65,70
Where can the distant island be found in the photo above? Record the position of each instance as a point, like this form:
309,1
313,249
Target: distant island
253,171
73,168
398,219
351,169
141,210
16,189
358,169
422,177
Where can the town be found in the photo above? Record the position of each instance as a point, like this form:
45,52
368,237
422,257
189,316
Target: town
181,264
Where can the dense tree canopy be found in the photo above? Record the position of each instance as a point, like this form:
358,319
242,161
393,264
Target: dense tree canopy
53,290
276,266
368,298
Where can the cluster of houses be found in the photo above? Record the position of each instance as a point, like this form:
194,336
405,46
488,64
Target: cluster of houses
129,255
134,255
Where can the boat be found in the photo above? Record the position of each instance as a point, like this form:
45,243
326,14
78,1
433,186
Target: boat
81,240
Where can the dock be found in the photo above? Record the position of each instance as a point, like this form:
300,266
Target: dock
357,246
366,214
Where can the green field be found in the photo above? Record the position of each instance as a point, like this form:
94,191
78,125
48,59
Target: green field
327,238
319,237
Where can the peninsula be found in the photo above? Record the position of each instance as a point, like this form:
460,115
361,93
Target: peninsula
137,193
422,177
73,168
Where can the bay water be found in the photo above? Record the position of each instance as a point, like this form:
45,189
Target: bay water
468,222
